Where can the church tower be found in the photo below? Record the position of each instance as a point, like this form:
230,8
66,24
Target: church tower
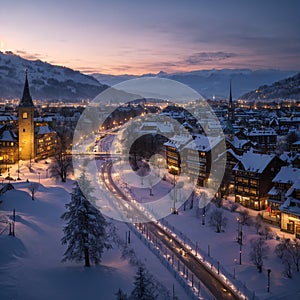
26,124
230,106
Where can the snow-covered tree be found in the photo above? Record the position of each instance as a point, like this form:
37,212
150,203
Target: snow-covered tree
217,219
258,252
85,233
144,289
245,217
289,252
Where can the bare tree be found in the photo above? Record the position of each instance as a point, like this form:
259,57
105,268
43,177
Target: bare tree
62,161
245,218
258,252
217,219
266,231
295,253
289,252
258,222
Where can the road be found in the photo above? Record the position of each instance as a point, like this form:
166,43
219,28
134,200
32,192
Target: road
171,245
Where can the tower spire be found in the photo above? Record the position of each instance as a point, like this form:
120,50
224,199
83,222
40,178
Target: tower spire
230,96
230,105
26,100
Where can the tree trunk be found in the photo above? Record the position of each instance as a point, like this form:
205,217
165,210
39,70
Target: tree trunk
259,269
86,257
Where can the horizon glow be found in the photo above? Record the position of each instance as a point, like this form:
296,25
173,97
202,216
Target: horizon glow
138,37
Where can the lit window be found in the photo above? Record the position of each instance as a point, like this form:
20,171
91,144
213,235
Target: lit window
25,115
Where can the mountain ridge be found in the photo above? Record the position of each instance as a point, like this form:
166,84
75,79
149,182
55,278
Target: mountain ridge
46,81
211,83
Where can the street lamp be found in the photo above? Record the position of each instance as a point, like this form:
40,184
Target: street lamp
239,231
39,177
269,271
240,253
174,211
19,150
240,237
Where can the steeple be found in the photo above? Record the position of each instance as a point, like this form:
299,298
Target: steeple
230,106
26,100
230,98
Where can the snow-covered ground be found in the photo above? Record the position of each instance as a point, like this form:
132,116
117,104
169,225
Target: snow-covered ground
30,262
223,248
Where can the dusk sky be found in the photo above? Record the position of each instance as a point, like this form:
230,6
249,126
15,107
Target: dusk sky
136,37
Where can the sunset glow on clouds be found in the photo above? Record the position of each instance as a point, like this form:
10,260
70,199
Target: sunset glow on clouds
137,37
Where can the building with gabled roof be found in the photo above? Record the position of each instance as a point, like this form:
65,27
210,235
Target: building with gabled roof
284,179
290,210
253,178
198,157
8,145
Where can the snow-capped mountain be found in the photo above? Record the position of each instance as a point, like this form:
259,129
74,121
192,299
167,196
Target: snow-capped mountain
46,81
211,83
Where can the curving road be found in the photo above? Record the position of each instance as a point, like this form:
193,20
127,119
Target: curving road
172,245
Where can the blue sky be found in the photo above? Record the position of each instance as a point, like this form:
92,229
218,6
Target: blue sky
148,36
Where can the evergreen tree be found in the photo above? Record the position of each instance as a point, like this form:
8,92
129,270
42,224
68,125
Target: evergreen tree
85,232
144,289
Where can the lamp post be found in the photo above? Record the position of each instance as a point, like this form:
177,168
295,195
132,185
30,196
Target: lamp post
240,237
174,187
240,253
19,150
269,271
39,177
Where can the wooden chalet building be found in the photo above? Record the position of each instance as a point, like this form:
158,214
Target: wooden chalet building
198,157
290,210
253,179
282,182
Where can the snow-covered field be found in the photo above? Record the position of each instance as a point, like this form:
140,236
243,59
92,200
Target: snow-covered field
31,267
30,262
223,248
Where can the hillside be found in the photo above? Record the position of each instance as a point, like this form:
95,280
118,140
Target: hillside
210,83
288,88
46,81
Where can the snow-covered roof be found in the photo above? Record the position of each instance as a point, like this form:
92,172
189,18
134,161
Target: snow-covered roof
178,141
8,136
163,127
6,118
295,186
236,142
256,132
291,205
287,175
238,157
273,191
254,162
43,119
203,143
289,157
44,130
